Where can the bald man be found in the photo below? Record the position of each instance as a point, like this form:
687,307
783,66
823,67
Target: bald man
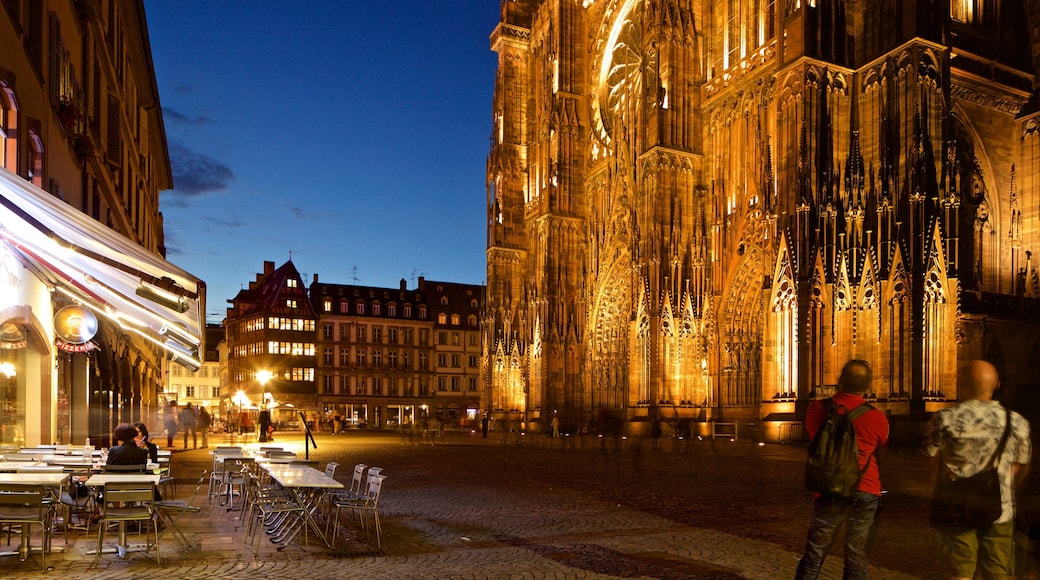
966,437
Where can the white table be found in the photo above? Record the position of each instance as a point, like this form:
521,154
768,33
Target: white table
14,466
301,481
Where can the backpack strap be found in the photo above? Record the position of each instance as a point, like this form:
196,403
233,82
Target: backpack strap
853,414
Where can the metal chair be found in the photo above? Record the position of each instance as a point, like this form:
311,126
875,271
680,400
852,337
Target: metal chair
76,500
127,502
274,512
168,511
368,504
234,479
25,506
330,469
216,472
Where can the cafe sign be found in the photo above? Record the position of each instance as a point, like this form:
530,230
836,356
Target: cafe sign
75,325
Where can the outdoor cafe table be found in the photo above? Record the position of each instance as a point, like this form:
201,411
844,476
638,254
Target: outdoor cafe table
302,481
14,466
54,481
100,479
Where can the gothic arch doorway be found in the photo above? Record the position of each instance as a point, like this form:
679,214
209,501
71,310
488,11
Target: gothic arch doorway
739,344
608,336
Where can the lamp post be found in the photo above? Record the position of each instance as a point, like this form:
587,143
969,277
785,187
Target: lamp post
263,376
241,400
265,410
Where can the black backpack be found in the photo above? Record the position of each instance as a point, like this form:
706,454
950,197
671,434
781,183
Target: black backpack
832,468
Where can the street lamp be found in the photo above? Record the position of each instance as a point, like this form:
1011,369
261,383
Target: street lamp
263,376
240,399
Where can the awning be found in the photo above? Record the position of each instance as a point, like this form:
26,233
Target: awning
99,268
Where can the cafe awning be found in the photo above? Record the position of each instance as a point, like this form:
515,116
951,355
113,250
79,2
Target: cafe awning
103,270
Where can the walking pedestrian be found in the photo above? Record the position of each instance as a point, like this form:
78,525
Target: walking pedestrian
170,423
265,425
205,421
859,511
189,424
968,439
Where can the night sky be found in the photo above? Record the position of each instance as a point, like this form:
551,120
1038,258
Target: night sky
348,134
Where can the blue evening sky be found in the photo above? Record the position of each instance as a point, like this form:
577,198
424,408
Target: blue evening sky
350,133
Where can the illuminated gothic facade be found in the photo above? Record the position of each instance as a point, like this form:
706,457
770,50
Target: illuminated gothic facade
700,210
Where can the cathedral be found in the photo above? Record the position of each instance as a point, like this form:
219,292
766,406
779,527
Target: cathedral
699,210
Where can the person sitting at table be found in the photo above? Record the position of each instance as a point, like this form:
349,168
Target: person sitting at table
132,450
127,452
143,441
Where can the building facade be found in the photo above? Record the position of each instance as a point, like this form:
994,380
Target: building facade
90,310
202,387
394,357
700,210
270,332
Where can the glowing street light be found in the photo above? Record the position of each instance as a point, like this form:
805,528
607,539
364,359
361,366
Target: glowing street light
263,376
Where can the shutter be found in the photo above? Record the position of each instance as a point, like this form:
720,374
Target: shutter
115,135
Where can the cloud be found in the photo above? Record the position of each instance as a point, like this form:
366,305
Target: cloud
226,223
178,117
196,174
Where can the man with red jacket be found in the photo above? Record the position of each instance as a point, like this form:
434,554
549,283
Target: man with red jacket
857,512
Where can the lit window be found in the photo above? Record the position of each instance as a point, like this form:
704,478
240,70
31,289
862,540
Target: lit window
455,319
291,283
327,305
442,318
290,303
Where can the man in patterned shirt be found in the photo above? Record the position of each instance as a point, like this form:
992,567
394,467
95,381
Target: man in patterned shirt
965,437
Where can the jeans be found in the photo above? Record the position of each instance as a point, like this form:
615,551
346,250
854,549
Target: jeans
859,514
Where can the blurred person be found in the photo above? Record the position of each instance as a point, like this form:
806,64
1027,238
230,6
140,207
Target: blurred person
265,426
189,422
966,438
170,422
205,422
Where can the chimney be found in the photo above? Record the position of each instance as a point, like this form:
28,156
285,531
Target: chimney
268,267
404,285
315,279
422,283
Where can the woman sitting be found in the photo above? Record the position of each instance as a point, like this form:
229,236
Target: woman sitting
143,441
